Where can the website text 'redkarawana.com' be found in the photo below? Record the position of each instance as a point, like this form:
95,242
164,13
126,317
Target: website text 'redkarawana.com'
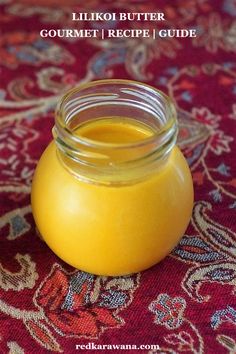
93,346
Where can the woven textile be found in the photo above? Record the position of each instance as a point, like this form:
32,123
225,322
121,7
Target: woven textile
185,304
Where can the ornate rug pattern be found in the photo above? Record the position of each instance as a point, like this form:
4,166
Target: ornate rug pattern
185,304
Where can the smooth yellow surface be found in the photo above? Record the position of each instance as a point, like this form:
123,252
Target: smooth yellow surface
116,130
112,230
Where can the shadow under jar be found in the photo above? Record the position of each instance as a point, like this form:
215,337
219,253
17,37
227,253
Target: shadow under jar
112,194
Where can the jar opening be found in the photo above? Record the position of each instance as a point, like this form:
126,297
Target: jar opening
117,104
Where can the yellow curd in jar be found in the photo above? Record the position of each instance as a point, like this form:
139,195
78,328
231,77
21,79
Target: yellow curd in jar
112,229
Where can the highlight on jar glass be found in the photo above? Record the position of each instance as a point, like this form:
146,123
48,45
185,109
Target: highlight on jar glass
112,194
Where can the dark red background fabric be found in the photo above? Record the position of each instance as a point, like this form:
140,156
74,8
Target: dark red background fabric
187,302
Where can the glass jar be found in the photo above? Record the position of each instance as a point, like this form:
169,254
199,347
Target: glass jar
113,194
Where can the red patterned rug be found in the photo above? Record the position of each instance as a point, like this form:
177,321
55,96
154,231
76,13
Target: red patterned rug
185,304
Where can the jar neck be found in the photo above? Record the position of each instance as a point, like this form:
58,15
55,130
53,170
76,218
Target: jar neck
113,163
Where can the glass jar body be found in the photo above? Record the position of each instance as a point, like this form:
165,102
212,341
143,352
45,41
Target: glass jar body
112,230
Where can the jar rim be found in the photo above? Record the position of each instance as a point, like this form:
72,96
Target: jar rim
120,163
169,125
